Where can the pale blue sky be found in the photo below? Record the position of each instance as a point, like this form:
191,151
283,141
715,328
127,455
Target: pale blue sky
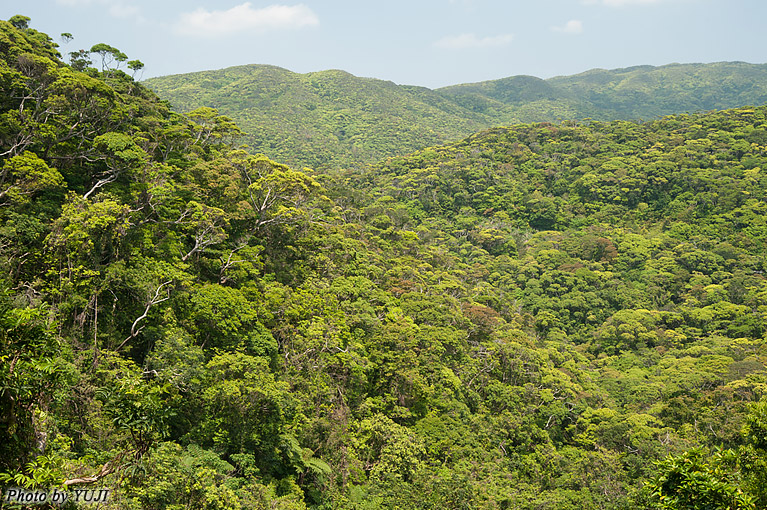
431,43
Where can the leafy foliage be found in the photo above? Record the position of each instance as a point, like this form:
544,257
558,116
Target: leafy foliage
564,315
331,119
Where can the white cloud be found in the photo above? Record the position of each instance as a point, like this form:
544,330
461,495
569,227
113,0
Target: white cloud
572,27
464,41
621,3
245,17
122,9
74,3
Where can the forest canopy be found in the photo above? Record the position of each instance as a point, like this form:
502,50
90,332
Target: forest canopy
548,315
332,119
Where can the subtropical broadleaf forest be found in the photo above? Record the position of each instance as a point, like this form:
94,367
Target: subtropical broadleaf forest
569,314
332,119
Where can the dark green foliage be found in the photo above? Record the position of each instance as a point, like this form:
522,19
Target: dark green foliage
688,481
32,368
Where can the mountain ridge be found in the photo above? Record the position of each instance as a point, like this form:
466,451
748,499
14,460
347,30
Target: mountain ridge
332,118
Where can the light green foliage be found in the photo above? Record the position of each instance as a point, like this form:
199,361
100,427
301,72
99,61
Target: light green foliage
688,481
87,235
390,450
222,316
331,119
280,190
25,175
322,120
627,330
20,22
119,149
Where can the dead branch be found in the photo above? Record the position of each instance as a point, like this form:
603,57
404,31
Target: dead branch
153,300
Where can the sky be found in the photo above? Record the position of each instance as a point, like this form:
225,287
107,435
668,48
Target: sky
431,43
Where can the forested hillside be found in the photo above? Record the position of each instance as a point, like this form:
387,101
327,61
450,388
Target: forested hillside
328,119
543,316
332,119
634,93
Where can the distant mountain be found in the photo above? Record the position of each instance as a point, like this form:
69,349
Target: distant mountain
322,119
335,119
636,93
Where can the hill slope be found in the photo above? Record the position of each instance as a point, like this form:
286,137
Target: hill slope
323,119
332,118
535,317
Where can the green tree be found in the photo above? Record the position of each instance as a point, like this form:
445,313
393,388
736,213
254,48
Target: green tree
20,22
32,369
109,55
25,175
689,481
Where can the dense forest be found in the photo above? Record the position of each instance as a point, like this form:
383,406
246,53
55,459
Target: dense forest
323,120
565,315
332,119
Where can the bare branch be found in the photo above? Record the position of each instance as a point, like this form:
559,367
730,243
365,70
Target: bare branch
153,300
222,278
101,182
106,470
